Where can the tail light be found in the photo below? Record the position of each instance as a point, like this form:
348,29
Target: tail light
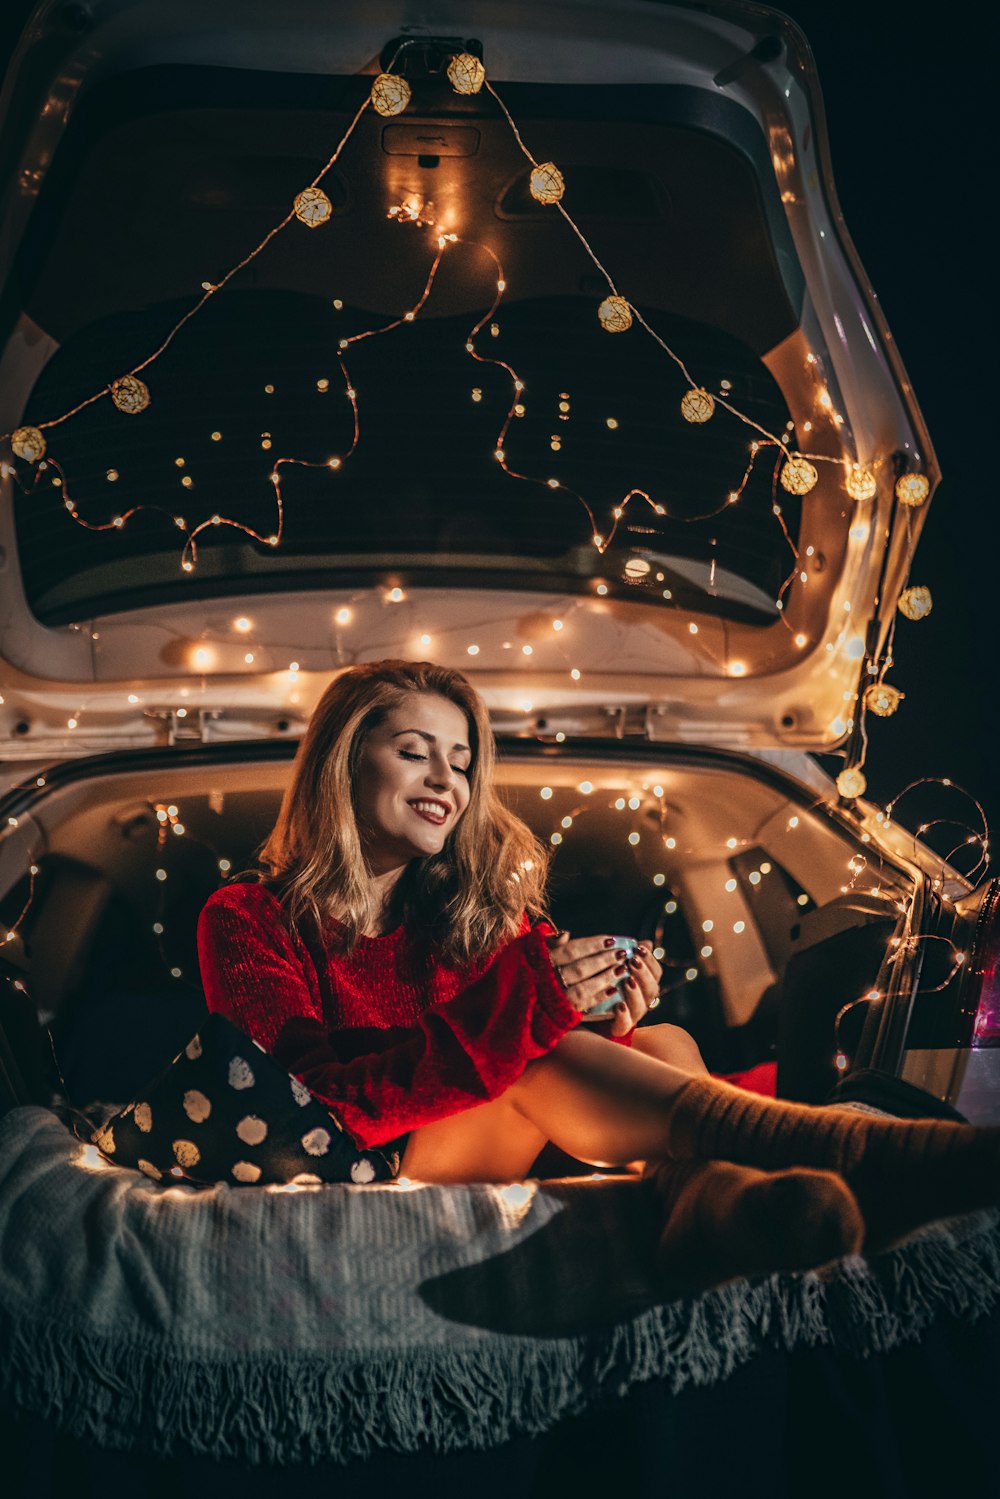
982,998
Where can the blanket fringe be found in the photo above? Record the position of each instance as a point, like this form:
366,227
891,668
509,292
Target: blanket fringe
286,1408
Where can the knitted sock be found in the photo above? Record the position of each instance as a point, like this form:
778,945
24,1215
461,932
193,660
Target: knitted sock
723,1221
903,1172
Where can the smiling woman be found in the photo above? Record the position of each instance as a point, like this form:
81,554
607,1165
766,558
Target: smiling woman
386,958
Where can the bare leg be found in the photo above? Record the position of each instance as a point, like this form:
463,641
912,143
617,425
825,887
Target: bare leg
610,1105
497,1142
563,1097
490,1143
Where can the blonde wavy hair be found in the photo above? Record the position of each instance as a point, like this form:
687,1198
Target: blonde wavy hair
471,897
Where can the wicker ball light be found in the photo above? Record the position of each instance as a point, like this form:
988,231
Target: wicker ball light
881,699
851,783
912,489
697,405
390,94
916,602
860,482
466,73
312,207
130,394
28,443
615,314
798,476
546,183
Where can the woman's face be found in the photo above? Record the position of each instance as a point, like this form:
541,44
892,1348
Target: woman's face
412,780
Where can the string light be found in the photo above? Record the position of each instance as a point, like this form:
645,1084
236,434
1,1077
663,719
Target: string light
546,184
615,314
312,207
130,394
860,482
466,73
28,443
851,783
390,94
697,405
912,489
882,699
798,476
916,602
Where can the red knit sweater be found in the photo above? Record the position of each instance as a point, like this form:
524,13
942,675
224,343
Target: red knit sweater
398,1040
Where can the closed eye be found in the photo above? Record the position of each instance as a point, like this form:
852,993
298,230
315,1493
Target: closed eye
461,770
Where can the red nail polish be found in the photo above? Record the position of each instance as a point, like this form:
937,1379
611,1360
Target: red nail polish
609,942
620,969
630,981
613,990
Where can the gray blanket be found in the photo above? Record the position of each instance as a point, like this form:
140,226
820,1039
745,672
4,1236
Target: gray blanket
281,1324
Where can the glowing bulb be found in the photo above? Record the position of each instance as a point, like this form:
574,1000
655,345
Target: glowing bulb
343,616
473,650
396,595
243,624
912,489
798,476
546,184
312,207
615,314
916,602
851,783
860,482
697,405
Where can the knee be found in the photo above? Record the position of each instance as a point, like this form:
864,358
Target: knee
670,1043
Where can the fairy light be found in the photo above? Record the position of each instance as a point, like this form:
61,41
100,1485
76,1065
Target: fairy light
615,314
312,207
390,95
546,184
912,489
860,482
916,602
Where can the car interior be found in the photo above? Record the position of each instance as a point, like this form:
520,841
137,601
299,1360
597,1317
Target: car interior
751,895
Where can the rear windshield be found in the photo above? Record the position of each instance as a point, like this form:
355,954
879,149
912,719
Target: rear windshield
255,377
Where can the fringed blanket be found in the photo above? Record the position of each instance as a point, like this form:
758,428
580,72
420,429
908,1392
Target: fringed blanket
278,1325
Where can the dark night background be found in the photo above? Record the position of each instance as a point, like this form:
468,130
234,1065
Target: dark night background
907,131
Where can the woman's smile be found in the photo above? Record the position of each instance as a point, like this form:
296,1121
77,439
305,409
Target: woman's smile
432,811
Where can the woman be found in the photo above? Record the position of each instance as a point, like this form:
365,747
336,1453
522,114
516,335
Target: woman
388,960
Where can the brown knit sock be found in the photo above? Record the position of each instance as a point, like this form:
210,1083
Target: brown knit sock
903,1172
723,1221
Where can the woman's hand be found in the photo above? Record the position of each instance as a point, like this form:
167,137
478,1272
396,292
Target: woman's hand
590,970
